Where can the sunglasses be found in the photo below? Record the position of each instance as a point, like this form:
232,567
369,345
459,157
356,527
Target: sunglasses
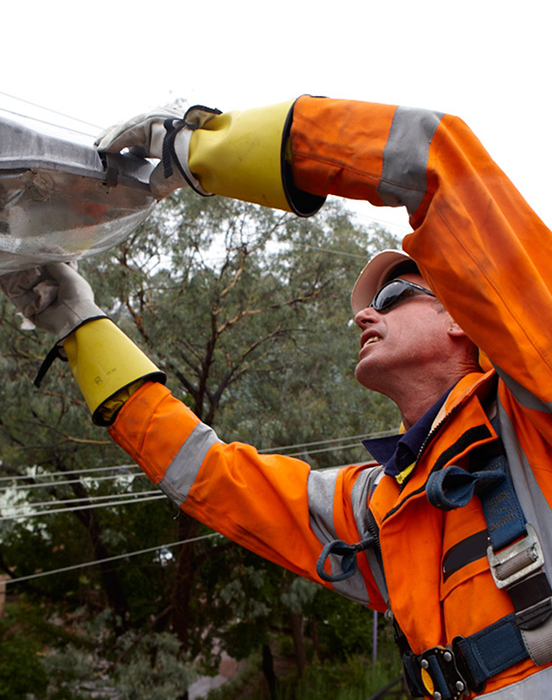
394,291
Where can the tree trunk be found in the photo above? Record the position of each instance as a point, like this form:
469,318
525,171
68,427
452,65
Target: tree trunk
268,670
315,638
297,633
111,582
183,586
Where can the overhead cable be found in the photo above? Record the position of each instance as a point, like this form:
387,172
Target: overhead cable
107,559
76,480
43,121
58,511
49,109
49,475
82,500
132,470
362,436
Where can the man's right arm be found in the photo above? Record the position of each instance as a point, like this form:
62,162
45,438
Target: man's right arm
273,505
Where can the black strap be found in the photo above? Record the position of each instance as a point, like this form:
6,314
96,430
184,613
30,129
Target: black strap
54,354
348,554
516,563
172,127
57,353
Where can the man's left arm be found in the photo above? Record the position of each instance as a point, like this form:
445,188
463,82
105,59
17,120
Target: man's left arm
477,242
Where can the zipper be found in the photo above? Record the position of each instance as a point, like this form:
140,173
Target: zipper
436,428
373,529
429,437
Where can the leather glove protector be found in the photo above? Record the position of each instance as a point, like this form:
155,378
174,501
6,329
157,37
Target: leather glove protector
163,134
107,365
53,297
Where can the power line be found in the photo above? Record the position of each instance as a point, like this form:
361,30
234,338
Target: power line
132,469
362,436
58,511
44,121
82,500
116,500
108,559
49,475
78,479
48,109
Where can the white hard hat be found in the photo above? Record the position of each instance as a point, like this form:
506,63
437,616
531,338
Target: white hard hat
380,269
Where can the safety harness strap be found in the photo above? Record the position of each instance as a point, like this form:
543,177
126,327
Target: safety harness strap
447,673
517,566
490,651
348,554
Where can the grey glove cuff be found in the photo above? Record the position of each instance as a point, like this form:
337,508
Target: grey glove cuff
73,317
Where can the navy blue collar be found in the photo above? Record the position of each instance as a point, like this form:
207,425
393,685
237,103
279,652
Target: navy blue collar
398,452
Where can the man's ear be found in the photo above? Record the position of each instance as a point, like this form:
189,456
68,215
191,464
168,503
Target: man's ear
454,329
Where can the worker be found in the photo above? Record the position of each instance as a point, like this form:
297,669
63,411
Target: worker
450,532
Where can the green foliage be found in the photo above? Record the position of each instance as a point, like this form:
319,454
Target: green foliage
21,670
52,661
355,679
247,311
133,666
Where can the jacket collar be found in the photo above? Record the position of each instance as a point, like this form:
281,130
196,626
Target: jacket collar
398,453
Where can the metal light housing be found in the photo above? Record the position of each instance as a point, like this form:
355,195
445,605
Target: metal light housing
60,201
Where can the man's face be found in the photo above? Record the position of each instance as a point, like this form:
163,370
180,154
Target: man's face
402,342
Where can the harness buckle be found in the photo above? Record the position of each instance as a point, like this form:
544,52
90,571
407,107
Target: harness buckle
440,675
517,561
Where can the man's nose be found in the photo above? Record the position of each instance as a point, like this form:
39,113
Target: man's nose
366,316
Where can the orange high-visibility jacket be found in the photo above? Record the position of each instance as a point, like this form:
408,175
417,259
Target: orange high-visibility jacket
485,252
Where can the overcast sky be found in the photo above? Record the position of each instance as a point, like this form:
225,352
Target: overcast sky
487,61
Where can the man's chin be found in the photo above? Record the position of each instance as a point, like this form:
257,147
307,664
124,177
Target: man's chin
365,376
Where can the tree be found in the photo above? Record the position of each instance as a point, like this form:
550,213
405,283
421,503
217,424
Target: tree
246,310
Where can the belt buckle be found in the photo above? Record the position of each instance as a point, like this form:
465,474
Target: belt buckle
504,568
440,675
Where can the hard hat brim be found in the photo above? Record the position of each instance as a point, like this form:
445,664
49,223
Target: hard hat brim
376,273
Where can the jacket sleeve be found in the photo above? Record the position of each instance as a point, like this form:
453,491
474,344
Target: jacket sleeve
477,242
273,505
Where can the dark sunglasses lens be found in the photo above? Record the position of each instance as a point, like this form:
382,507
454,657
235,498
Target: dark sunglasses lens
389,295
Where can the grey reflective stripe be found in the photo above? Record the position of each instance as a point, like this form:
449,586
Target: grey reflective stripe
183,470
538,513
321,494
360,492
533,503
523,396
404,172
352,588
533,687
362,488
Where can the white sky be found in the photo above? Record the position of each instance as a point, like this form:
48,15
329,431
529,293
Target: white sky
488,61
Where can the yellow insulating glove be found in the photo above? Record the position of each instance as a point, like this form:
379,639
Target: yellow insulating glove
243,155
107,366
